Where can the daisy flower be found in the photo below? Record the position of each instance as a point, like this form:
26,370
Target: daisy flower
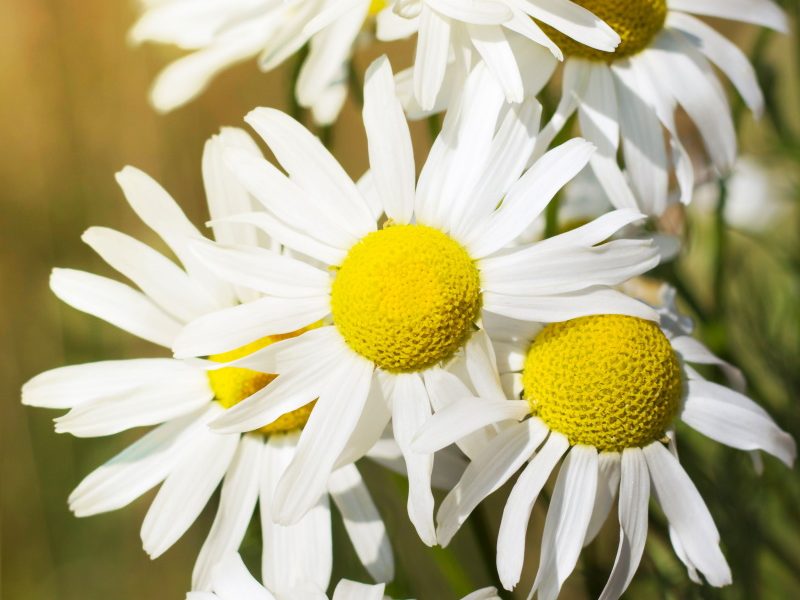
180,398
603,392
407,270
232,581
629,98
453,35
220,33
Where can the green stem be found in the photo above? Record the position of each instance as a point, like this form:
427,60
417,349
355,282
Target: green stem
720,247
356,87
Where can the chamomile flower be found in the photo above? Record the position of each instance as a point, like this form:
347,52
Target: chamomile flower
180,399
603,392
232,581
453,35
220,33
399,295
630,97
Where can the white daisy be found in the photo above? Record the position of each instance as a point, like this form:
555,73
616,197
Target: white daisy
664,61
180,398
220,33
453,35
603,392
232,581
402,299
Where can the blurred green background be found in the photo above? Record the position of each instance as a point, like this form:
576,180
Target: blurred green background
73,111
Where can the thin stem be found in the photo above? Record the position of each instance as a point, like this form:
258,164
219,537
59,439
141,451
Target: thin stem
356,87
295,110
720,247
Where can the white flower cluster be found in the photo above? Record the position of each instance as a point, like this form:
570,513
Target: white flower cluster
418,317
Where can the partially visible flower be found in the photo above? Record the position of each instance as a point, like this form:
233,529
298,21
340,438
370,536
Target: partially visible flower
754,197
232,581
220,33
454,36
629,99
602,392
180,398
409,269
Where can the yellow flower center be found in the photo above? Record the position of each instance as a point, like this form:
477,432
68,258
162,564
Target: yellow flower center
636,21
376,6
608,381
231,385
406,297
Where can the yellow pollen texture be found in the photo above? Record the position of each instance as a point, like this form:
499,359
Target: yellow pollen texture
231,385
636,21
406,297
608,381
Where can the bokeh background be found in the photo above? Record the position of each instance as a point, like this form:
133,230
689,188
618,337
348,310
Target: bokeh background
73,111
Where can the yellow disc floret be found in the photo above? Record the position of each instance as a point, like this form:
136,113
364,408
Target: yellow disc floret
636,21
406,297
231,385
608,381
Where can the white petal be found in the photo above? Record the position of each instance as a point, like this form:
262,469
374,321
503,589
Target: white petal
537,270
160,212
530,195
363,522
573,20
371,425
498,461
510,149
159,278
517,512
233,327
186,491
115,303
445,388
724,54
758,12
475,11
352,590
311,166
226,195
292,389
147,405
687,514
481,364
263,270
693,351
136,469
733,419
494,49
391,156
433,41
567,519
463,417
232,581
634,495
66,387
410,410
324,437
690,79
236,504
564,307
643,148
608,475
298,554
